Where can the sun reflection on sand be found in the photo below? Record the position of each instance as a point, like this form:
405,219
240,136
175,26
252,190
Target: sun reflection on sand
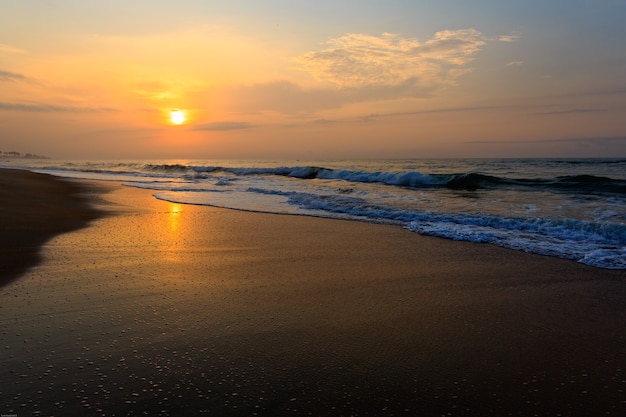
174,229
174,211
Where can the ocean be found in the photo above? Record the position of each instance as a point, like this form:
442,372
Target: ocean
566,208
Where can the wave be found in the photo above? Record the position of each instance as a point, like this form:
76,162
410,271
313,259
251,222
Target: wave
582,218
600,244
176,168
587,161
471,181
596,244
610,233
588,184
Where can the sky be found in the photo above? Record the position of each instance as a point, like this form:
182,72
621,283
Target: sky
289,79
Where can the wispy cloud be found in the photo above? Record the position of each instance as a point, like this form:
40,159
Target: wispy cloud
514,37
51,108
570,111
588,140
223,126
11,49
325,121
372,117
358,68
514,63
157,90
13,76
620,91
288,97
360,60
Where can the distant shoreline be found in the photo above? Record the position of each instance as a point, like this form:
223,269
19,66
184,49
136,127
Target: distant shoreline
19,155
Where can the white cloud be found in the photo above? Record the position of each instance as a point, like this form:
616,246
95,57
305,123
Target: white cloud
366,68
359,60
224,126
514,63
509,38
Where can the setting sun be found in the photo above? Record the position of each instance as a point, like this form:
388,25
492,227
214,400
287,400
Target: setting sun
177,117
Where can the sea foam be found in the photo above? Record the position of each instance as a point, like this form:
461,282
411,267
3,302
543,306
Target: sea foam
574,209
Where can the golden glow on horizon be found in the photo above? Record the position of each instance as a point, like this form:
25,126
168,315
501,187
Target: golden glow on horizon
449,88
177,117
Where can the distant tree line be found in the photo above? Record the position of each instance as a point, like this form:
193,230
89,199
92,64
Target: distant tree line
13,154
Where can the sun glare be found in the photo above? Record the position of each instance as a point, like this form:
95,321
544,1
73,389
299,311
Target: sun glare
177,117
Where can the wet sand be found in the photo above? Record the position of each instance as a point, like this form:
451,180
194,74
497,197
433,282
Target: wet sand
167,309
31,212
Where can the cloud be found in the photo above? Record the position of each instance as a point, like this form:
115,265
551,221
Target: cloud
388,60
288,97
223,126
589,140
157,90
51,108
359,68
571,111
509,38
374,116
11,49
325,121
445,110
12,76
591,93
514,63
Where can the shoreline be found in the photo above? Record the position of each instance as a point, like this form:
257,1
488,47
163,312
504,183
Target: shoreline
35,208
177,309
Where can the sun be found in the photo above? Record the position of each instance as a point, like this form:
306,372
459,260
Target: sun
177,117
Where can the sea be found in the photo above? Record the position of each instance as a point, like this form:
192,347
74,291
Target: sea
565,208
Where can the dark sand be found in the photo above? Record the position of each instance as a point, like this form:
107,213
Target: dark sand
165,309
31,212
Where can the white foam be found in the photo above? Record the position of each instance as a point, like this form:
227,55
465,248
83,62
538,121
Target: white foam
606,258
590,243
575,225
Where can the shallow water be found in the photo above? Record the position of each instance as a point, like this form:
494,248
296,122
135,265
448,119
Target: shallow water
568,208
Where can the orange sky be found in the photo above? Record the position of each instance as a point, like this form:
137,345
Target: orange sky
278,79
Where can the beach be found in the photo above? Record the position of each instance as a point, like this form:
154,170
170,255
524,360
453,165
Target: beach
134,306
32,212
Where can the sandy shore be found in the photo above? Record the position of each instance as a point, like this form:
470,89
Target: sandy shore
167,309
32,211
